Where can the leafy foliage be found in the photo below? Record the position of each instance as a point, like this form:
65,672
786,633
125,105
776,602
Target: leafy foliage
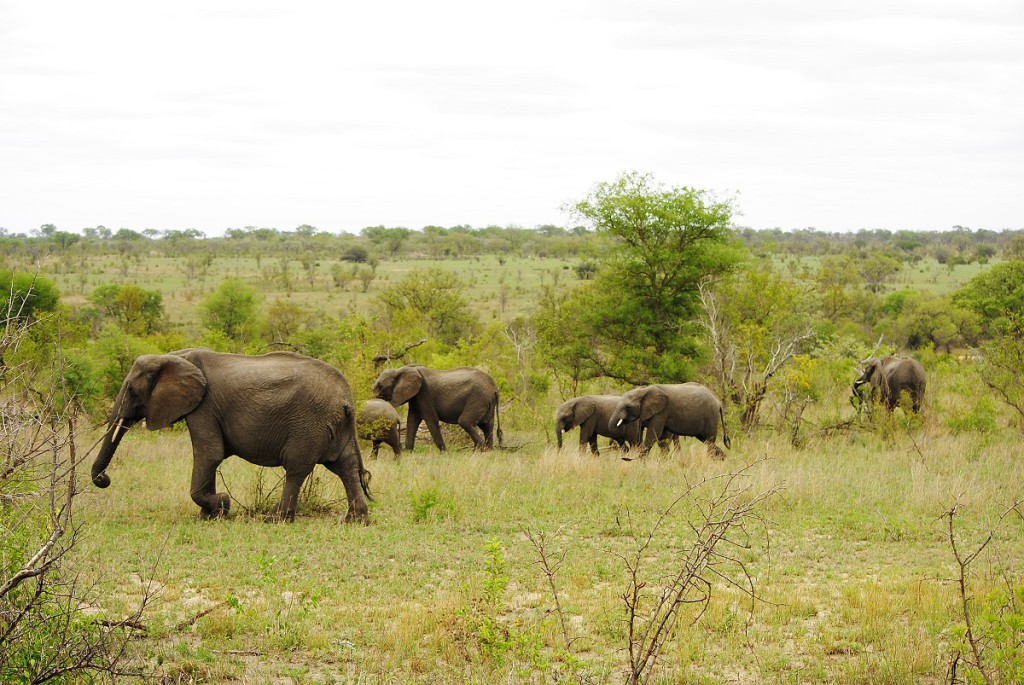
138,311
633,321
26,295
997,295
233,310
431,301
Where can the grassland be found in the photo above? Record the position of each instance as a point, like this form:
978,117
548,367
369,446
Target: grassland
853,563
486,277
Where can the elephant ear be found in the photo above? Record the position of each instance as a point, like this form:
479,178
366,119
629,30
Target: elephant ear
409,383
582,409
654,402
177,390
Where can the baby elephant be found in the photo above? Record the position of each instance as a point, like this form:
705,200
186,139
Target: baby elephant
593,413
378,422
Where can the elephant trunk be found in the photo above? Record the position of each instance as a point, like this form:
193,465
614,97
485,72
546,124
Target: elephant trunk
618,418
111,440
558,434
857,399
117,426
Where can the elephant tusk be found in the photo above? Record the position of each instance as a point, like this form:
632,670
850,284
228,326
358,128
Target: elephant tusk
118,428
619,423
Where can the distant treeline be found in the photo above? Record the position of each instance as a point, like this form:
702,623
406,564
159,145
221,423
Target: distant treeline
957,245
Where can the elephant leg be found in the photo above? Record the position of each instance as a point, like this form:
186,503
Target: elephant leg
376,448
348,471
593,444
487,428
293,481
435,433
204,490
655,433
207,455
714,450
393,442
412,425
475,434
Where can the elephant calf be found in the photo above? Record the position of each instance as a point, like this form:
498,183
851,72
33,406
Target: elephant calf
688,409
378,422
593,413
889,378
464,396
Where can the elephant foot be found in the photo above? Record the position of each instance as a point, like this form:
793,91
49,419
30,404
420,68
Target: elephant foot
358,515
279,517
221,507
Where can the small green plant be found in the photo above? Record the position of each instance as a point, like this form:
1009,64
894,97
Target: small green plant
979,418
430,503
499,637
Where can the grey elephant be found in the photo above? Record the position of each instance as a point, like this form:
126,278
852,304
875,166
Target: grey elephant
378,422
464,396
277,409
593,413
889,378
686,409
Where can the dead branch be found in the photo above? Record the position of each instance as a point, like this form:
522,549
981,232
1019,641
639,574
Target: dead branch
549,569
964,561
726,512
189,622
382,358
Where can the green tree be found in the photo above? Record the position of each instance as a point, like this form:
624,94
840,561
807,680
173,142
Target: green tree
431,300
387,239
138,311
997,295
755,322
634,320
913,319
233,310
877,268
24,296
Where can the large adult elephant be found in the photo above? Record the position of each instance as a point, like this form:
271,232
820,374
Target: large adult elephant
687,409
277,409
378,422
593,413
889,378
464,396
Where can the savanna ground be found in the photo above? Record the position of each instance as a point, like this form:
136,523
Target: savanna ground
852,563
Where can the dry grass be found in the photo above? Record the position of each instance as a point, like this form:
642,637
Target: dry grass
854,582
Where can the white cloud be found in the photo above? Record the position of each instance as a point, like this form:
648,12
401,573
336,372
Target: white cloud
210,115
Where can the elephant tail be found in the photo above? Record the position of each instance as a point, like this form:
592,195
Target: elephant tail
497,421
725,433
364,481
351,445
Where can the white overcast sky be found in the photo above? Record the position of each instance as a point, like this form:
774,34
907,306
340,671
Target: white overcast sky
217,114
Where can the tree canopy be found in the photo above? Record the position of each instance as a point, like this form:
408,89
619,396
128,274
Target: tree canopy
635,320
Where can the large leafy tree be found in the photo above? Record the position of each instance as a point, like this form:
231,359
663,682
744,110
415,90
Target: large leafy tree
429,301
636,321
233,310
24,296
997,296
137,310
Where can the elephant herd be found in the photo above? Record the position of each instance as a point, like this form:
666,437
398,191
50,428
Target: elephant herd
285,409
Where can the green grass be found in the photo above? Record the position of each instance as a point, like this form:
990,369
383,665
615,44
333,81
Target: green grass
854,580
520,278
